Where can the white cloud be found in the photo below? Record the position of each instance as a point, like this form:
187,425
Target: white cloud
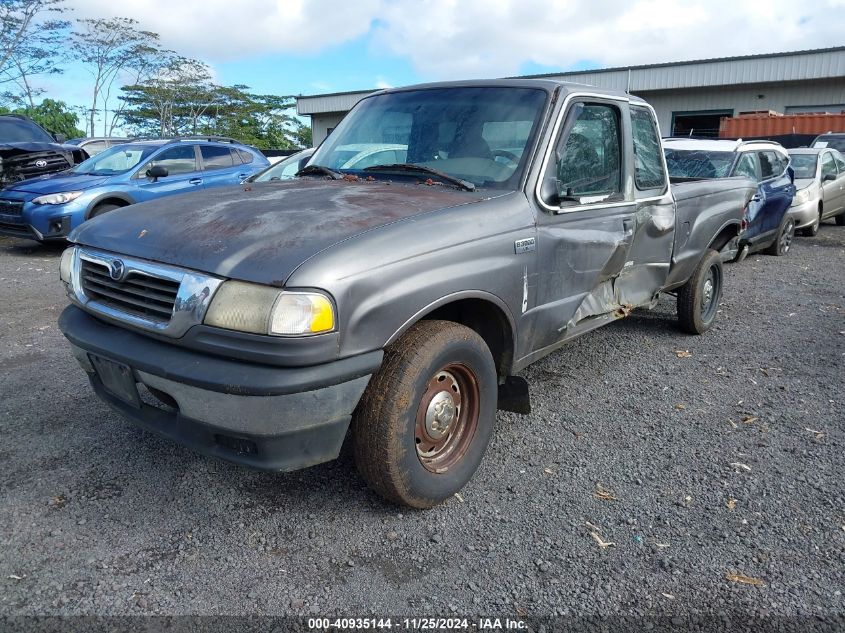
475,38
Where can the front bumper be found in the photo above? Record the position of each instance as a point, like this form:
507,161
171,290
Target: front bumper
271,418
41,222
805,214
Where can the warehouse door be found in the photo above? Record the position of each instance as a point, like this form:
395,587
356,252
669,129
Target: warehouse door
701,123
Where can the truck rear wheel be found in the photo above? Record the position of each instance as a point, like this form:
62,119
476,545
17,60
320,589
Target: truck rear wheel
424,422
698,299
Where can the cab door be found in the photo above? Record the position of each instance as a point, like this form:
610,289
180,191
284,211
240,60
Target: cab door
221,166
183,173
832,183
777,189
585,223
653,241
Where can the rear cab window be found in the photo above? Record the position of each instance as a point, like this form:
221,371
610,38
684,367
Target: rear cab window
648,153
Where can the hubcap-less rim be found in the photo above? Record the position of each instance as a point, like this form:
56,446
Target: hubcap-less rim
710,294
447,417
786,236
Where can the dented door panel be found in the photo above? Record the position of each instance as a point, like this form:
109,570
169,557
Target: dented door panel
578,253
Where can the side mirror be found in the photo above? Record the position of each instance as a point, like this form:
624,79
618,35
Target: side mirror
828,177
60,138
156,171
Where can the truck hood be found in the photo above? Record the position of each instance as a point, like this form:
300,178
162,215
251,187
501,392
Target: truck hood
261,232
57,183
34,146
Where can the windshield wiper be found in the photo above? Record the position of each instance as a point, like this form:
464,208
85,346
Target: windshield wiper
458,182
319,169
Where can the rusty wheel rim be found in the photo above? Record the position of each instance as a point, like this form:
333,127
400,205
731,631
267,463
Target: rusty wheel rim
447,418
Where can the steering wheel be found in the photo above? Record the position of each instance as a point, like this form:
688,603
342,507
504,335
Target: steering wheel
508,156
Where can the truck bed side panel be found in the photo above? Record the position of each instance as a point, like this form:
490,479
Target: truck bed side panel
704,208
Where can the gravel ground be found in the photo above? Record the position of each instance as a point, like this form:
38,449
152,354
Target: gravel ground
723,460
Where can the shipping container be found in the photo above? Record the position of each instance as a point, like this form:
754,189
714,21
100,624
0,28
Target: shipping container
766,124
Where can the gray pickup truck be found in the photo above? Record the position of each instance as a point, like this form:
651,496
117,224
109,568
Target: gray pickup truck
441,239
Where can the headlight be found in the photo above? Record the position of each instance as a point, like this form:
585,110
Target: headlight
58,198
801,196
66,265
247,307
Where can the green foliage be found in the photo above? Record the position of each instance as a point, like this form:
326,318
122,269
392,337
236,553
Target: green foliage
54,116
183,100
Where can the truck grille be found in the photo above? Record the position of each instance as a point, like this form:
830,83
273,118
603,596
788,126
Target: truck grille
11,207
142,295
25,165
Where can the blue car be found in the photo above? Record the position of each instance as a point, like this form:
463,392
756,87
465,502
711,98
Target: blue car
768,225
49,207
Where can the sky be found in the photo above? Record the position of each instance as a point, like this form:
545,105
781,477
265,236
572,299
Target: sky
292,47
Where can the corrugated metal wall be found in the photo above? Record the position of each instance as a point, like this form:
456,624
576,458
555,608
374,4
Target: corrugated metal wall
776,97
812,78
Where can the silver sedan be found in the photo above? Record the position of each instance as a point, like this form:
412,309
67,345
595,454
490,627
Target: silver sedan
820,184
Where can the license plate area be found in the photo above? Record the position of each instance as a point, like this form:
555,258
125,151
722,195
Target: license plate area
117,379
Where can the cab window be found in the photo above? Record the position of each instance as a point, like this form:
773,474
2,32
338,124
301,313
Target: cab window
216,157
828,165
770,165
587,159
747,166
647,151
180,159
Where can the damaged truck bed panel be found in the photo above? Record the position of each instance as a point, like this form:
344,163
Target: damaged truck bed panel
493,222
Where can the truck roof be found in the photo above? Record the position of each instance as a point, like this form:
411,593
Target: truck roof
549,85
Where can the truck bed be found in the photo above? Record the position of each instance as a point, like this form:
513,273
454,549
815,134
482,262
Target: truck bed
704,208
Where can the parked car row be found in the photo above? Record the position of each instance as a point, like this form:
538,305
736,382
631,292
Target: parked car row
49,207
796,189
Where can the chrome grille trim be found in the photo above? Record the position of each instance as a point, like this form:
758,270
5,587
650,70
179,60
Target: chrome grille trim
147,295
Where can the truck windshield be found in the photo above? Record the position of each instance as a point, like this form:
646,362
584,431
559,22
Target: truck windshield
21,131
685,163
804,165
115,160
481,135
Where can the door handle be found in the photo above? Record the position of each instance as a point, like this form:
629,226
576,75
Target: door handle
756,198
242,176
195,181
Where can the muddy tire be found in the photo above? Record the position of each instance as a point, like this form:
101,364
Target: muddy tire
783,242
426,418
698,299
102,209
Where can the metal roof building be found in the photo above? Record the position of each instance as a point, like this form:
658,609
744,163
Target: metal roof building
690,97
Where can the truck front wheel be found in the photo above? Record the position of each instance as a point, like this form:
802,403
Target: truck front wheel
698,299
424,422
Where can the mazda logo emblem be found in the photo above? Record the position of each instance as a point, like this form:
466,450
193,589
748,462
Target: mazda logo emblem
116,270
41,163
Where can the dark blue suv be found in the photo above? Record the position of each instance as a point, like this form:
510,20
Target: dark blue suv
49,207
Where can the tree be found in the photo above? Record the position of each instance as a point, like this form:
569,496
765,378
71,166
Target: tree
182,99
54,116
109,47
30,33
